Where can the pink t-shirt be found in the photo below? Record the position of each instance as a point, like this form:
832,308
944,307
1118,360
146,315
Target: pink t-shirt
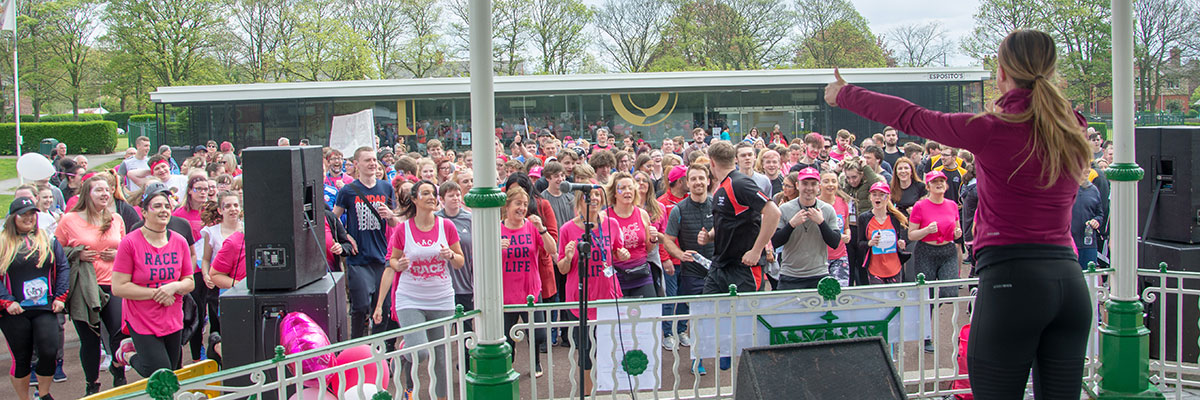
152,267
521,277
842,210
600,287
946,215
633,236
193,218
74,230
231,258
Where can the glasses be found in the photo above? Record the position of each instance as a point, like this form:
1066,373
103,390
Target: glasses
199,189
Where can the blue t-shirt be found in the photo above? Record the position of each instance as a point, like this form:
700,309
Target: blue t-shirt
362,224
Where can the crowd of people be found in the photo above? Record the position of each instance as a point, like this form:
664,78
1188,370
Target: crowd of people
136,257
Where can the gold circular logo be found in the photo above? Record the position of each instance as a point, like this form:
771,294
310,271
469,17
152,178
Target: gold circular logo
649,115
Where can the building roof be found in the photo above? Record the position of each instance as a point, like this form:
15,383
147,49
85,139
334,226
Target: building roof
558,84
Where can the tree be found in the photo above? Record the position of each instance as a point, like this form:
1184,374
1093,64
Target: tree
509,32
124,78
834,34
920,44
559,32
381,23
324,46
423,49
262,26
38,69
71,25
1084,36
725,35
633,31
994,20
171,37
1162,26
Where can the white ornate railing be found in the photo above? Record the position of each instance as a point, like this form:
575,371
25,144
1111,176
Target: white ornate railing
719,325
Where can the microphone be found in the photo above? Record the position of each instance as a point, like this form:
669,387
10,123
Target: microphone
582,187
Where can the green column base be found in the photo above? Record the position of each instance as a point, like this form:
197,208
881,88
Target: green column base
492,376
1125,354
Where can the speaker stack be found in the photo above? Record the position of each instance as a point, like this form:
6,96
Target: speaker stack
854,369
1169,229
286,269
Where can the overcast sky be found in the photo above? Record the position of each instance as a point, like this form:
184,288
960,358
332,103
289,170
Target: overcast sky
955,15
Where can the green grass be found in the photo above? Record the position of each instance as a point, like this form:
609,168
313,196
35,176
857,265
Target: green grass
5,200
8,168
108,165
122,143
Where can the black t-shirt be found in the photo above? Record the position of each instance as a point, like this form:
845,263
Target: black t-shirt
177,225
35,287
777,185
891,158
801,165
737,216
685,222
910,195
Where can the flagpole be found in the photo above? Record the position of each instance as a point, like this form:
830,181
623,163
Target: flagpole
16,85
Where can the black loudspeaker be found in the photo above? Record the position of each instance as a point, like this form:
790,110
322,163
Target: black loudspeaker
285,211
837,369
1179,257
1167,154
251,320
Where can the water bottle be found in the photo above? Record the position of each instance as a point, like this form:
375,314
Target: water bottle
704,262
850,213
1089,234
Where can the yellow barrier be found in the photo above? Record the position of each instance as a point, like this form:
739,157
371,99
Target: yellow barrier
191,371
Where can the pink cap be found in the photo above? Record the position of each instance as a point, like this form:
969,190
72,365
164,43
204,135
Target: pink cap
567,138
931,175
535,172
809,173
881,187
678,172
226,146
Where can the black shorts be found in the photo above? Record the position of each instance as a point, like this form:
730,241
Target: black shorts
362,283
747,279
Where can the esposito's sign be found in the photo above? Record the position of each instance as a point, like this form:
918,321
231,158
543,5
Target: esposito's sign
950,76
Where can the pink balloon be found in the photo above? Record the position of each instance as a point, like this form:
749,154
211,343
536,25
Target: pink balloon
371,372
313,394
299,333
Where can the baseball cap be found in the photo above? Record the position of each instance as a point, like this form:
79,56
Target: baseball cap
881,187
21,205
226,146
931,175
535,172
809,173
567,138
677,172
198,149
152,189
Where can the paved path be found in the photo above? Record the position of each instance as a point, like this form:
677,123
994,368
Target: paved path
7,186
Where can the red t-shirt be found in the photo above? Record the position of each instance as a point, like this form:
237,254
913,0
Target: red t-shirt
152,267
521,277
842,210
231,258
600,287
883,265
946,215
668,202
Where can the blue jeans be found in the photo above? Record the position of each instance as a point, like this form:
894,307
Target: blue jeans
672,289
1085,256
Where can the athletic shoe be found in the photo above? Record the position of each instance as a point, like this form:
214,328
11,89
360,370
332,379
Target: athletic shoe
726,363
407,395
121,356
59,375
46,397
928,346
32,379
91,388
700,369
669,342
537,373
684,339
105,360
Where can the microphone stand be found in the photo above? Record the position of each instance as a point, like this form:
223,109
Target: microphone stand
583,270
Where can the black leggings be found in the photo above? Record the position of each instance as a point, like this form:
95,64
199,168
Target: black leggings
89,338
511,319
26,330
155,352
1029,312
200,296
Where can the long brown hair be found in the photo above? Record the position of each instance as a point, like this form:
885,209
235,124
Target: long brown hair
1029,57
85,205
897,191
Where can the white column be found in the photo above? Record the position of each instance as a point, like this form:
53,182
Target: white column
1124,193
485,222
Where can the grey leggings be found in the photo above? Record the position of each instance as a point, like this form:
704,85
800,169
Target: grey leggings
411,317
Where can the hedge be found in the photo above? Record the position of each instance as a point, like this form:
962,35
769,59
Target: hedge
1102,128
92,137
142,117
70,118
121,118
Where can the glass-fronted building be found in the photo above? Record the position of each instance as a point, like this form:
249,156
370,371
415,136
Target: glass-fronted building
650,106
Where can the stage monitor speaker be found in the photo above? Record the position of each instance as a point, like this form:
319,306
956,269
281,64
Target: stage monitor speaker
1164,315
1167,154
250,321
855,369
285,216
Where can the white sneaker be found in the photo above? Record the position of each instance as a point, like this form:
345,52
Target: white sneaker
105,360
670,343
684,339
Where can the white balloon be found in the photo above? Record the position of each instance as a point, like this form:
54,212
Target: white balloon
34,167
368,390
